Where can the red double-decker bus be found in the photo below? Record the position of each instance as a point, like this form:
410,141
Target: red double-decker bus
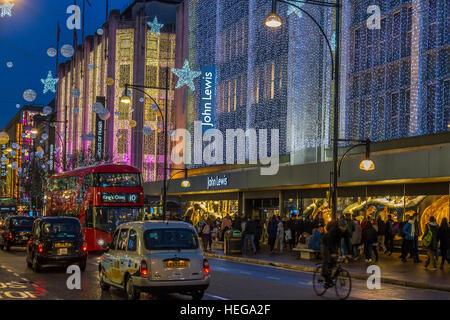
102,197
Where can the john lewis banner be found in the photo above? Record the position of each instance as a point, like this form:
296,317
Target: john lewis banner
208,97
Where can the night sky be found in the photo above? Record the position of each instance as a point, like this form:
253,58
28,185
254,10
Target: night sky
24,40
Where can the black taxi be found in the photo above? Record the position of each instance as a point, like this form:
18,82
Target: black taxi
15,231
56,241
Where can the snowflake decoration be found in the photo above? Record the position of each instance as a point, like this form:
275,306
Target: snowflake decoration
50,83
6,9
186,76
292,9
155,27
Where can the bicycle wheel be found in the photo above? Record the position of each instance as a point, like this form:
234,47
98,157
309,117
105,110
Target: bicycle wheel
343,284
318,282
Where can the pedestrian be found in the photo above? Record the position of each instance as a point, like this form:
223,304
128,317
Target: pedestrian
249,235
205,234
429,242
225,226
265,237
258,233
356,238
381,232
417,234
272,232
444,240
369,239
389,235
408,231
280,234
316,239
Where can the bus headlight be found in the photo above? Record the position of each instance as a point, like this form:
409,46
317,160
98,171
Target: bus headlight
100,242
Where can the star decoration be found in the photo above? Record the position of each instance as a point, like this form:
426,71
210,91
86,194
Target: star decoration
50,83
6,9
333,42
292,9
186,76
155,27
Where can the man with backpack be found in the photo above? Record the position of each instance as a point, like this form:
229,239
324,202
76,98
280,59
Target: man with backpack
430,242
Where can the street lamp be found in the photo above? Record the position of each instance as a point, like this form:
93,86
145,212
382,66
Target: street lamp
366,164
126,99
34,131
273,22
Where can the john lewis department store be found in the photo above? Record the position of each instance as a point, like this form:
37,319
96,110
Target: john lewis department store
411,175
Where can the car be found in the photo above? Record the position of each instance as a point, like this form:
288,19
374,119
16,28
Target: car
16,231
56,241
155,257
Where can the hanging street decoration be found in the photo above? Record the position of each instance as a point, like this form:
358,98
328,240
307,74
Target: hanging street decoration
9,64
76,93
51,52
6,9
186,76
67,51
50,83
155,27
29,95
47,110
294,10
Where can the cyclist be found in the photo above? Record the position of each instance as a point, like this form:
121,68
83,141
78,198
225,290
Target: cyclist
331,241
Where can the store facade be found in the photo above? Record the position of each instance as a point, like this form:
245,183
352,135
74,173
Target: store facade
411,175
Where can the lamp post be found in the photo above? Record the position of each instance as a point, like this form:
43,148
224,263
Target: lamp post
127,100
185,183
273,20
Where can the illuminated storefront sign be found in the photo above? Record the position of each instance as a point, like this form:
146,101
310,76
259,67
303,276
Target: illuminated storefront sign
120,197
217,182
208,97
99,132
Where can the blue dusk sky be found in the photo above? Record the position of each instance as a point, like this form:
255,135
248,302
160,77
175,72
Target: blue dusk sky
24,40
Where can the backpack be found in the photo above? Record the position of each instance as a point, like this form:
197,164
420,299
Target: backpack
426,241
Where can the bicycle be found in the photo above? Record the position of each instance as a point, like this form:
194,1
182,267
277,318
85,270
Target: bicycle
340,279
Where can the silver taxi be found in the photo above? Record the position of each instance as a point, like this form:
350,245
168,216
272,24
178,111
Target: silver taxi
155,256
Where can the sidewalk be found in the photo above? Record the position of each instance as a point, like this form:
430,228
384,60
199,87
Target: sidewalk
393,270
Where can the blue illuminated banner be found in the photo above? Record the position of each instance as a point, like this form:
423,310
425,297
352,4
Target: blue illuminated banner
208,98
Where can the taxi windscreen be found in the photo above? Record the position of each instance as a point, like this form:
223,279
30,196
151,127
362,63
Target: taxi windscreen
170,239
61,228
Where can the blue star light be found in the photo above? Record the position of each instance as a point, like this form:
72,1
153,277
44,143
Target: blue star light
186,76
292,9
6,9
50,83
333,42
155,27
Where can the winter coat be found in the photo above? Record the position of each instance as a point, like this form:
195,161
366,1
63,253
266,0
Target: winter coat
332,239
407,229
369,235
356,236
381,228
280,230
250,228
272,229
433,228
389,228
314,243
444,237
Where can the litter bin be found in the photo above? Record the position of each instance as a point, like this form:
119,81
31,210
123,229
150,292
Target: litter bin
232,242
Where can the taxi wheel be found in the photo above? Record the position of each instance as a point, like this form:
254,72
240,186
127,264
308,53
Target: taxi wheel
103,285
132,292
82,265
198,295
36,266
